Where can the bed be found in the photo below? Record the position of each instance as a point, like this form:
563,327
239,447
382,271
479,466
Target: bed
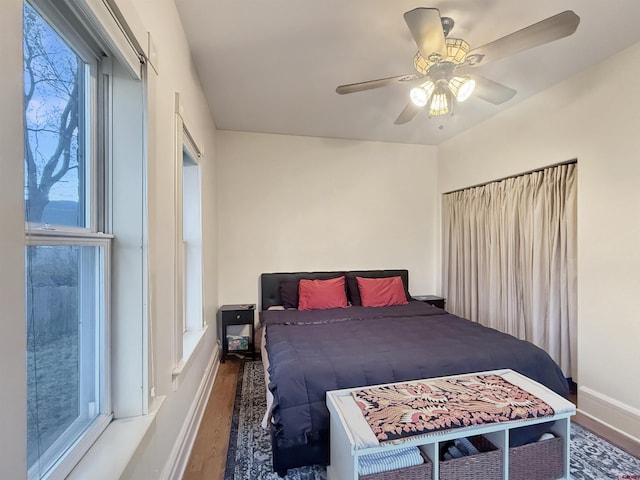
309,352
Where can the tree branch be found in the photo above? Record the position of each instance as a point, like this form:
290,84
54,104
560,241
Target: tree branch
68,124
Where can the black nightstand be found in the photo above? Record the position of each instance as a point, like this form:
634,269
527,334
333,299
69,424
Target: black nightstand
431,300
236,315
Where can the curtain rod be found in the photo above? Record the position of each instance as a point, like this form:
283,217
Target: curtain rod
568,162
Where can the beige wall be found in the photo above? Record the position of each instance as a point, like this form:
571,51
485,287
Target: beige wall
176,74
13,428
289,203
593,117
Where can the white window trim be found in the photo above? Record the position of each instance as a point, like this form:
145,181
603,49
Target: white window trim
109,456
65,466
185,341
104,16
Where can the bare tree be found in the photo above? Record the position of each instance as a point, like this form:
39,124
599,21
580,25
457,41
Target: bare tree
51,110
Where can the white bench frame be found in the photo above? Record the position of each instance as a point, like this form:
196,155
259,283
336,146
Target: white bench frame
344,454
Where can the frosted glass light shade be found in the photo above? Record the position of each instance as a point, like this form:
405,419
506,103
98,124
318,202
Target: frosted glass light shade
439,103
420,95
462,87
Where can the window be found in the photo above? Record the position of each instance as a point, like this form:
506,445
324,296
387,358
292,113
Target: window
67,256
58,160
191,241
189,313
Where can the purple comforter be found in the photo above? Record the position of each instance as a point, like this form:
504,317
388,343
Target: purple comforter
311,352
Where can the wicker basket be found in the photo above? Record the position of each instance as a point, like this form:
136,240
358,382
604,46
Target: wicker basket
540,460
487,465
423,471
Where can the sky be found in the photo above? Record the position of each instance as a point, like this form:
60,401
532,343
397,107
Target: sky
49,99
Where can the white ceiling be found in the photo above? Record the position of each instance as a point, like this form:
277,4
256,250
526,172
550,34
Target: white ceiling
272,66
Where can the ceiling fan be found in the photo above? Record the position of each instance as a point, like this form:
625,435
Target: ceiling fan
445,64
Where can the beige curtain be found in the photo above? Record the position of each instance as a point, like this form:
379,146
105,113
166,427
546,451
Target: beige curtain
509,258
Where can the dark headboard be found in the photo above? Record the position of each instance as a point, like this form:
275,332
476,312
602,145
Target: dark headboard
270,282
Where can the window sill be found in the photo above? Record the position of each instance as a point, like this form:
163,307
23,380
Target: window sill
108,458
191,340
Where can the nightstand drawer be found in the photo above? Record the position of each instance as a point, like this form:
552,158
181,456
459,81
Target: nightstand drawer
237,317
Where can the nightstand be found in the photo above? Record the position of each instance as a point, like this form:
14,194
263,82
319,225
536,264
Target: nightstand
236,315
431,300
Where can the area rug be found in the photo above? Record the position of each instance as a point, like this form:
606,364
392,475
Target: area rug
249,453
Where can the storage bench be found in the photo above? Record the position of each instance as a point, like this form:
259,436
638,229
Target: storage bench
351,438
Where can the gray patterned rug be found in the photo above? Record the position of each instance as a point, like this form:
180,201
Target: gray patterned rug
249,454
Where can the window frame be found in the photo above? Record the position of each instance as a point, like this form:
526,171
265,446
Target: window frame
193,319
59,466
62,22
53,465
187,335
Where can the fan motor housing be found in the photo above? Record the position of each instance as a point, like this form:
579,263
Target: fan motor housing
442,70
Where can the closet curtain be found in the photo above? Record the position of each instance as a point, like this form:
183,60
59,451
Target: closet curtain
509,258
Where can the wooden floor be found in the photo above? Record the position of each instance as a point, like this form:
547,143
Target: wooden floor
209,454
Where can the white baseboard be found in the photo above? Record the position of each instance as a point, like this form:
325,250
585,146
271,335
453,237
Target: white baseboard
179,457
610,412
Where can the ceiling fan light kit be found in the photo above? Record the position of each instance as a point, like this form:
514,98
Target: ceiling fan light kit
442,63
440,70
460,87
439,102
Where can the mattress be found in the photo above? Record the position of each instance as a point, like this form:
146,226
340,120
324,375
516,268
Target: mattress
312,352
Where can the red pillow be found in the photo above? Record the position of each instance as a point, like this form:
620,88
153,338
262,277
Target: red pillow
381,292
321,294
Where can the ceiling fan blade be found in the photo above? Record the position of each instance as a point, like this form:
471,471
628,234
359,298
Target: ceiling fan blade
371,84
491,91
407,114
426,27
553,28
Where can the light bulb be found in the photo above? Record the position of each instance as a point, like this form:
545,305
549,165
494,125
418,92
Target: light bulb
418,96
